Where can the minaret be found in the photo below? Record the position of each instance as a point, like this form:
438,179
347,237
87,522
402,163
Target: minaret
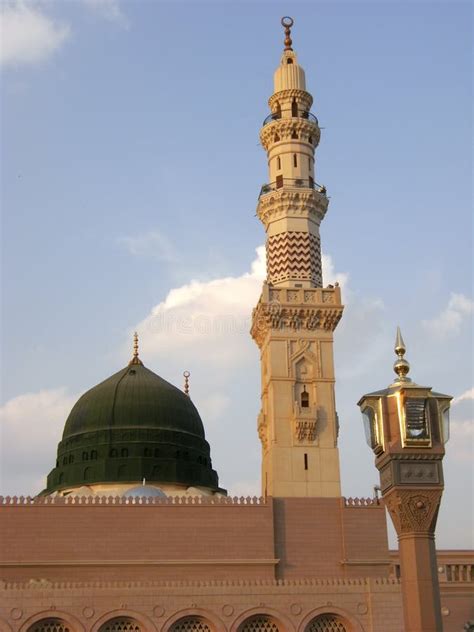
294,320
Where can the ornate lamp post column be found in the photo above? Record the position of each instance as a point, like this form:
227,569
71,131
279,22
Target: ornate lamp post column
407,426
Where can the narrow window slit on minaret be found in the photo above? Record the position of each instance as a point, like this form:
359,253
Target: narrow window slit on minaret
305,461
294,108
304,398
278,162
295,160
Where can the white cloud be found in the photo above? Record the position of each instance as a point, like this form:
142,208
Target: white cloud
467,395
152,244
31,425
108,9
210,317
450,320
28,35
330,276
461,442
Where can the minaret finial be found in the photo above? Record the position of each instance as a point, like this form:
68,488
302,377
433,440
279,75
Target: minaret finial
287,23
186,382
401,366
135,359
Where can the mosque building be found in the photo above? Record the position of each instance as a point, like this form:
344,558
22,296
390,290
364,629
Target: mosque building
133,532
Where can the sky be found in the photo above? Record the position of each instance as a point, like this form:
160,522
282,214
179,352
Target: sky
131,167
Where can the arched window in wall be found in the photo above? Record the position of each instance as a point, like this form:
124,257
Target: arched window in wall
295,160
50,625
278,163
294,108
326,623
121,624
191,624
304,398
260,623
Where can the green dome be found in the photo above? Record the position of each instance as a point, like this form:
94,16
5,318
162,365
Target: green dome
130,427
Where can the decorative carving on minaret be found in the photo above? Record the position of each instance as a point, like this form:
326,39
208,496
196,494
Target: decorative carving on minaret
294,255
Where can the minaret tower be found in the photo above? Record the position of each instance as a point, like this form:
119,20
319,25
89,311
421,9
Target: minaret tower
294,320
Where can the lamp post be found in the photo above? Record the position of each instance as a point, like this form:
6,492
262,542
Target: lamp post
407,426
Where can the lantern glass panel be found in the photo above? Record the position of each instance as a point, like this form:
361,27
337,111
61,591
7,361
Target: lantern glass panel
368,416
445,424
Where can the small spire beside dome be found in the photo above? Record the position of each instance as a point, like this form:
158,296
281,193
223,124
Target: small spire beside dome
186,375
401,366
135,359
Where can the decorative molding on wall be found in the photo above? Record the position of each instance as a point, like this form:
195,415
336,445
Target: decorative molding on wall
141,562
359,583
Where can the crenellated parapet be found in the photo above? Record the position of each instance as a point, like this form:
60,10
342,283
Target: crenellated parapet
73,499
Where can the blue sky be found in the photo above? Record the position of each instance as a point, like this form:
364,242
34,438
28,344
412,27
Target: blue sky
130,174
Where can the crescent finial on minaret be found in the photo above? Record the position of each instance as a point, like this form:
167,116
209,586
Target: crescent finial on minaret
287,23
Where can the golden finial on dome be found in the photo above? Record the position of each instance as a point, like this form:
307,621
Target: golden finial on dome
135,359
287,23
401,366
186,382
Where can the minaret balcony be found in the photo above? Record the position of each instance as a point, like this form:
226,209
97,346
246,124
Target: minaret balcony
275,116
292,183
